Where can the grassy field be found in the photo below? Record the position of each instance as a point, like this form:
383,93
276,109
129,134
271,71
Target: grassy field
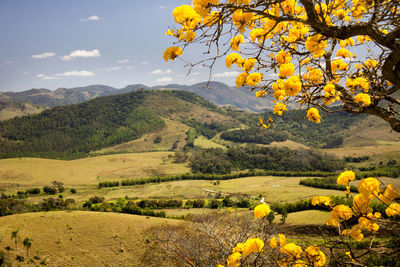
274,189
79,238
203,142
89,171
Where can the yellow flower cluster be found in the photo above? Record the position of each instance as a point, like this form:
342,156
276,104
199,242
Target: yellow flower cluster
236,41
345,177
389,195
393,209
321,200
343,52
339,213
261,210
186,16
241,79
253,79
347,42
315,256
313,115
314,76
359,83
234,58
316,45
172,53
297,32
242,20
279,108
286,70
203,7
283,57
364,98
339,65
242,250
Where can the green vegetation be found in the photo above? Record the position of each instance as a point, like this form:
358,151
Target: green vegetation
268,158
77,129
326,183
254,135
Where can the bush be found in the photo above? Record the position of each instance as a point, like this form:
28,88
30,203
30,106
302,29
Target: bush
50,190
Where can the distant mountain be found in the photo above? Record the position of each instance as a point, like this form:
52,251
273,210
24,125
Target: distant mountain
216,92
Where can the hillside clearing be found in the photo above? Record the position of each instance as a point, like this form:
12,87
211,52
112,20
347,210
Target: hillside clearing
87,171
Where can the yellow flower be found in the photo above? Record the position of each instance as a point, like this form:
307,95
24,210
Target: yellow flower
389,195
292,249
241,79
339,65
249,64
314,76
285,70
261,93
233,58
345,177
327,201
361,204
189,36
368,187
172,53
258,34
393,209
371,63
273,243
203,7
361,97
316,45
292,86
313,115
186,16
236,41
253,79
261,210
341,212
279,108
343,52
234,259
252,245
283,57
342,14
315,256
347,42
242,20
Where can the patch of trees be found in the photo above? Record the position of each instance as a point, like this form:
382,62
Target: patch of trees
254,135
209,130
108,184
252,157
77,129
326,134
9,206
326,183
356,159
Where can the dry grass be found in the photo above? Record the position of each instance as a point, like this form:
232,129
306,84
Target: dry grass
376,153
203,142
88,171
80,238
12,111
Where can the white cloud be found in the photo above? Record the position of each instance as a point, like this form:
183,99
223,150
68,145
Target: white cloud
45,77
129,67
8,62
159,71
226,74
144,62
164,79
92,18
122,61
162,7
195,73
76,73
82,53
26,72
114,68
44,55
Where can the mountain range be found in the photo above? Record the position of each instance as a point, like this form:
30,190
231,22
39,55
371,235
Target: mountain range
215,92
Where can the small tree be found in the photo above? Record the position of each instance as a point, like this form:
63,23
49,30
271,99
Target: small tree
15,236
27,244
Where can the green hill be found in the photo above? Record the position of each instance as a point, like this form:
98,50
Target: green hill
73,130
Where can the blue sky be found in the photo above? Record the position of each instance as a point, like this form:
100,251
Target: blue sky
71,43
